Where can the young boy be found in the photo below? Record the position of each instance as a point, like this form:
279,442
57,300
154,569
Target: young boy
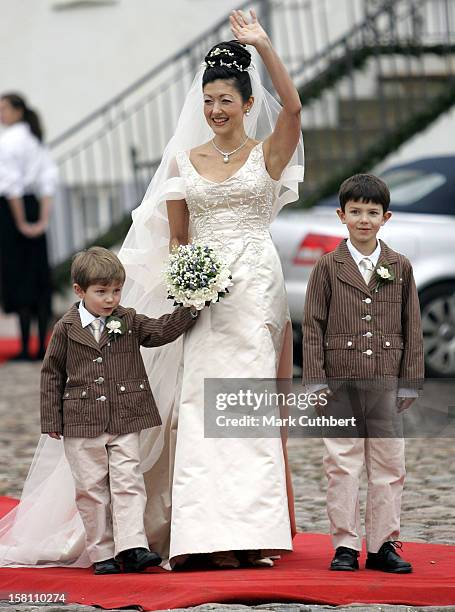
95,392
363,347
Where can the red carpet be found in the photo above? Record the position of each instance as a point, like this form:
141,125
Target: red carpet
301,576
11,346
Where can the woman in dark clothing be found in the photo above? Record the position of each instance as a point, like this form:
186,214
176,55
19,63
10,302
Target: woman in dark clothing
28,180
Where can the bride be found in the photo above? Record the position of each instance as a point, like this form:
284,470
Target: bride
235,159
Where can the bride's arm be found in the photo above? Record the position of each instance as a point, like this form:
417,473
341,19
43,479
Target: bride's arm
280,146
177,212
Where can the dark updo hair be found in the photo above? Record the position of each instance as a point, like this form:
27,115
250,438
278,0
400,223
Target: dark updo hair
28,115
229,60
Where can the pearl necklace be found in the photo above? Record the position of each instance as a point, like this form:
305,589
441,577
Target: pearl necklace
227,155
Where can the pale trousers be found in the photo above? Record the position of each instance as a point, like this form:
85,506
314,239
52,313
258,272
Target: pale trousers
344,459
110,492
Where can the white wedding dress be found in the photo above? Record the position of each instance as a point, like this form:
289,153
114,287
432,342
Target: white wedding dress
228,493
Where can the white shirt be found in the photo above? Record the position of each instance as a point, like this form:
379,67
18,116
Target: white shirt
25,164
358,256
87,318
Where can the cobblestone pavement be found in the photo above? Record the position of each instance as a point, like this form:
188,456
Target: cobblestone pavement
428,505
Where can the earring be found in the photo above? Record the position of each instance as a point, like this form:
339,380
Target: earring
247,112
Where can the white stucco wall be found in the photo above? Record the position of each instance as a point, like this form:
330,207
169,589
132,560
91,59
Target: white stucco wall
70,61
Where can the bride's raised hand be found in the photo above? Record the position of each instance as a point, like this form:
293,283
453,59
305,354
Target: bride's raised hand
247,32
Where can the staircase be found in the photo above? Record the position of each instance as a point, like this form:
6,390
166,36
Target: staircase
382,74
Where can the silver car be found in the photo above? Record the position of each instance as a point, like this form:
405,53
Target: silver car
422,228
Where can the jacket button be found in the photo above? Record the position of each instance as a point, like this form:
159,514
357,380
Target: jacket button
368,352
99,381
387,343
367,300
98,360
367,318
141,386
67,394
122,388
349,343
102,398
84,394
368,335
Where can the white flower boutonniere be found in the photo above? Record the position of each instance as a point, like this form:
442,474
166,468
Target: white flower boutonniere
384,274
115,327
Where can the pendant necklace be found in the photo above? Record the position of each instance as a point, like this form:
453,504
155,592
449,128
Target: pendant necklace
227,155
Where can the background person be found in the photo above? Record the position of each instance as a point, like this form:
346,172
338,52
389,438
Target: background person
28,179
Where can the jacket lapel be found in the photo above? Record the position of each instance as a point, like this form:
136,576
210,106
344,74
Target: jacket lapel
105,336
348,271
78,333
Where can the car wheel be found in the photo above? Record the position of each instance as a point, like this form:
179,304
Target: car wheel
438,323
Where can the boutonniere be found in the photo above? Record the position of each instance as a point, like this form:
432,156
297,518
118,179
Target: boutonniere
115,327
384,274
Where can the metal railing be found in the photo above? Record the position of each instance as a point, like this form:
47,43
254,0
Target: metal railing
383,81
107,159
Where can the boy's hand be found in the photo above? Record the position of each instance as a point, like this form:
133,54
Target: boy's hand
323,396
54,435
403,403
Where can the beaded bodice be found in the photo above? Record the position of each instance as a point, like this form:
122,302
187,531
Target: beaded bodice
232,216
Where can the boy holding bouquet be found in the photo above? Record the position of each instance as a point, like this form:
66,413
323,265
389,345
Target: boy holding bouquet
95,392
363,347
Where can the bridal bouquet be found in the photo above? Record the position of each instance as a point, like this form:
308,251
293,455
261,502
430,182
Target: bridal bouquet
196,276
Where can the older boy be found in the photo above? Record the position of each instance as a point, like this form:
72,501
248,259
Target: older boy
362,344
95,392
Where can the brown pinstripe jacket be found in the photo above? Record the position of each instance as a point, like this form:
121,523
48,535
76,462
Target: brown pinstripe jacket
350,331
78,372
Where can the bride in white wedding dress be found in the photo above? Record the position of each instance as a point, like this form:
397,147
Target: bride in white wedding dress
230,494
235,159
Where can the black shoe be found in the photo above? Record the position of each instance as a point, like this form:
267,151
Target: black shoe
22,356
388,560
109,566
345,560
138,559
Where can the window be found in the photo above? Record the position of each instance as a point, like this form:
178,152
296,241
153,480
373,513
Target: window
409,186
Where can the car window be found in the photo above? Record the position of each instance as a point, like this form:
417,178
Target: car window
409,186
417,189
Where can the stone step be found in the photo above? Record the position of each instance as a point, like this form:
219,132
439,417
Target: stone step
416,85
319,170
337,141
377,113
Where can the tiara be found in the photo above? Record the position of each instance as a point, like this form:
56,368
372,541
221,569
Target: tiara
233,63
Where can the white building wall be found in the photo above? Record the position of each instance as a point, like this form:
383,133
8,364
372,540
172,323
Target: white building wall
70,61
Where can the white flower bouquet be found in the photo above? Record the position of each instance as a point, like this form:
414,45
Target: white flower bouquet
196,276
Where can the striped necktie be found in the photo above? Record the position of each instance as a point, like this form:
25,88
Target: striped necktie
366,268
96,327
